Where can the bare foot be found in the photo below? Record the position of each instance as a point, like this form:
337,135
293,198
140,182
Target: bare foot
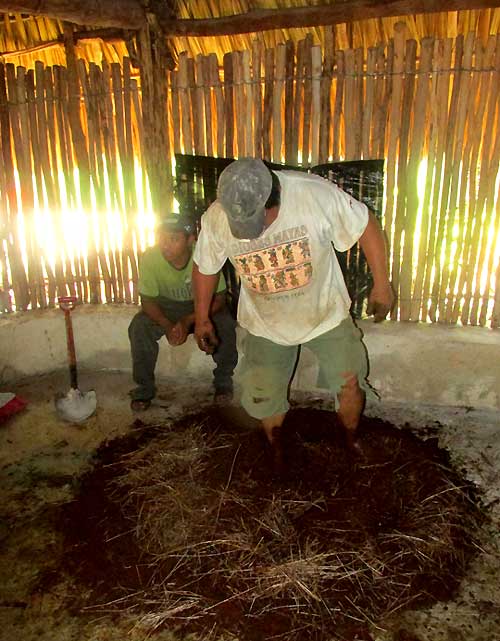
275,440
354,444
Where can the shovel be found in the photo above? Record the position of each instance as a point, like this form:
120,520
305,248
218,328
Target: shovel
75,407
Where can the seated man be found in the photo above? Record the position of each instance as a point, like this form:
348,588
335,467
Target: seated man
168,310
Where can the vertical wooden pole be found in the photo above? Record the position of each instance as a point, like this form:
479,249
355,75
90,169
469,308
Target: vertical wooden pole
200,104
239,102
279,81
248,103
207,103
325,96
306,122
288,122
394,134
176,114
452,214
268,103
116,196
402,176
368,110
29,124
316,103
122,151
445,188
350,106
257,97
80,146
229,104
183,88
442,56
419,109
337,113
470,154
154,59
219,103
297,104
50,189
359,97
9,212
198,141
417,301
93,98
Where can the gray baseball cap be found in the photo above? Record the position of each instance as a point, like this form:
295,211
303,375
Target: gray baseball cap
243,189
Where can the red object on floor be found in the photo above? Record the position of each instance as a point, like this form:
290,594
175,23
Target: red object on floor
10,404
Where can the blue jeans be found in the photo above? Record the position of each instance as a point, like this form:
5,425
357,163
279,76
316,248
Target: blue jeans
144,335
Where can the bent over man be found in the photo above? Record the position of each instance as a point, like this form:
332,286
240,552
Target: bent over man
277,229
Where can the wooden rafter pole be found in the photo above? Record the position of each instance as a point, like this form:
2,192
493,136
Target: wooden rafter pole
95,13
105,34
343,11
129,14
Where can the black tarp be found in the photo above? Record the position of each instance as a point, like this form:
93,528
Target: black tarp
196,188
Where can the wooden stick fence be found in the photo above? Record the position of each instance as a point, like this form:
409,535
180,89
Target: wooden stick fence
73,153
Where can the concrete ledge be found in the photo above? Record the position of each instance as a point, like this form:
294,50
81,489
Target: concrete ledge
408,362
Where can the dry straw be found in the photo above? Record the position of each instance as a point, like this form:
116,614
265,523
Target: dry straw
222,548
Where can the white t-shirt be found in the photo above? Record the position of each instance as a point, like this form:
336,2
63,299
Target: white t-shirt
292,288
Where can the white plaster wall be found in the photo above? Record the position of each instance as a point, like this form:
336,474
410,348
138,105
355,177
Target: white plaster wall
408,362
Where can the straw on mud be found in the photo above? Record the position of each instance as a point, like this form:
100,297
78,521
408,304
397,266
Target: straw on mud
255,551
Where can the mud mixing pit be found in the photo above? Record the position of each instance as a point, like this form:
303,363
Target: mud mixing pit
187,529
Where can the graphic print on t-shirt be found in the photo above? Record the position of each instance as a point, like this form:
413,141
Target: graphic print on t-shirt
279,267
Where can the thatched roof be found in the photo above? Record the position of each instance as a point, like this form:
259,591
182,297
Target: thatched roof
25,37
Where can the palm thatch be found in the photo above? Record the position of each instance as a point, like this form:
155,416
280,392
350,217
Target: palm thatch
25,39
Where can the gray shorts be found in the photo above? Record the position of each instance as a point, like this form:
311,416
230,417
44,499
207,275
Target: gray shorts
268,367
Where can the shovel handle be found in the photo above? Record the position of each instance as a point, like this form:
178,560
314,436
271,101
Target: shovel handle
67,304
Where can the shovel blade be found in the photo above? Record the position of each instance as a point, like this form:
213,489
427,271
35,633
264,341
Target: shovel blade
76,407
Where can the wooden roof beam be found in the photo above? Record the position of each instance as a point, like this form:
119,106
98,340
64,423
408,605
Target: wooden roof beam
130,14
121,14
341,12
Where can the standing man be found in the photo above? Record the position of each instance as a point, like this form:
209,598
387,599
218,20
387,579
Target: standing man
165,272
277,229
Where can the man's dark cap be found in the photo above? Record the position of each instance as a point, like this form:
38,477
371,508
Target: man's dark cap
177,222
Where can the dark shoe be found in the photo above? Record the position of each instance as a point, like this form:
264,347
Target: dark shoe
223,397
140,405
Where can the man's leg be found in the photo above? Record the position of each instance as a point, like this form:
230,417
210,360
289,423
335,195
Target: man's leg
266,371
351,401
226,355
343,364
144,335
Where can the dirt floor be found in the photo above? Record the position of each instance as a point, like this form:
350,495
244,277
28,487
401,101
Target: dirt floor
63,554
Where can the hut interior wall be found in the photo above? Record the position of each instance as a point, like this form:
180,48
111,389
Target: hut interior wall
74,206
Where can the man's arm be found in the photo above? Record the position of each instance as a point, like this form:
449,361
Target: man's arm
218,303
151,308
372,243
203,289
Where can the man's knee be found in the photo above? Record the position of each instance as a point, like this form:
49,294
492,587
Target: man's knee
136,323
224,323
350,387
140,326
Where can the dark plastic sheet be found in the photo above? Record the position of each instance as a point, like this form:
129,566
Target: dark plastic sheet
196,189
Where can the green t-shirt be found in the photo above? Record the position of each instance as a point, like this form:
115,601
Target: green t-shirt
158,278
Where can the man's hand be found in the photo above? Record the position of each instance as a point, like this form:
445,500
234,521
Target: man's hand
380,301
178,333
205,336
